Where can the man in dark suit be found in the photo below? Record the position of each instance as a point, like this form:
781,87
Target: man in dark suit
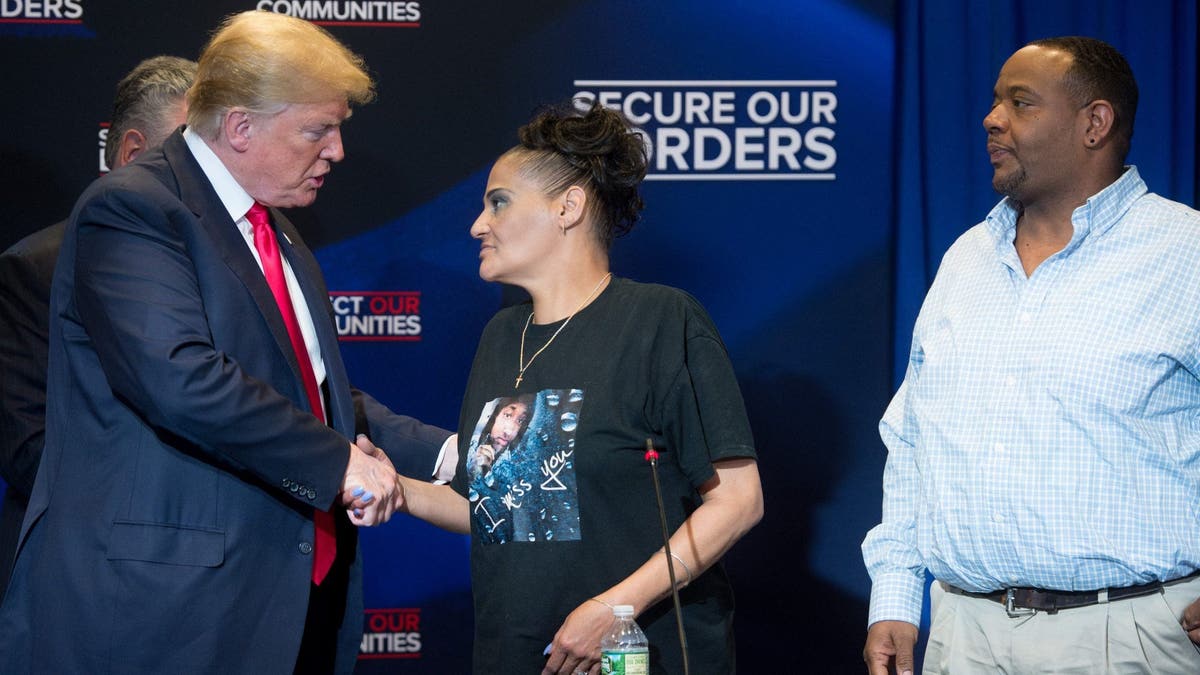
180,521
149,105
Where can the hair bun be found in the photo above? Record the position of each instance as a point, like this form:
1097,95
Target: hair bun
603,150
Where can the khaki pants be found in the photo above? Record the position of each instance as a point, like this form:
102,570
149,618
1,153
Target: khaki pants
1134,636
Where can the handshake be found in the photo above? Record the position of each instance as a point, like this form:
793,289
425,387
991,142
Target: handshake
371,489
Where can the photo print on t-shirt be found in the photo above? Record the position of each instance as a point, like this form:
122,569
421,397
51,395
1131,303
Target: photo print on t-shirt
521,468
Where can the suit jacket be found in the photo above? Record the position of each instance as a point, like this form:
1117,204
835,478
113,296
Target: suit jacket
170,527
26,270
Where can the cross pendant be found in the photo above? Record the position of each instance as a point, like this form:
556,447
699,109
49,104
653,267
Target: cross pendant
520,376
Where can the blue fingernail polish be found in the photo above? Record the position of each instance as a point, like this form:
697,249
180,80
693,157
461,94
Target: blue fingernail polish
368,497
358,491
358,513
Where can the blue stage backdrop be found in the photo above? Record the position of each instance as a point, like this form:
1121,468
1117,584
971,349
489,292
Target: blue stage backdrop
811,161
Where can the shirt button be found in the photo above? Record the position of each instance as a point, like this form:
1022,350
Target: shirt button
305,547
1025,318
998,448
1011,380
998,517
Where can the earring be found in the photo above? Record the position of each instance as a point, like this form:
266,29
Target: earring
564,229
1091,141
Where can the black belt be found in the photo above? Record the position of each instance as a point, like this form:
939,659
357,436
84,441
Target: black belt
1027,600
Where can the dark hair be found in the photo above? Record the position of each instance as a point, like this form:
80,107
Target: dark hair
1098,71
595,148
526,400
144,96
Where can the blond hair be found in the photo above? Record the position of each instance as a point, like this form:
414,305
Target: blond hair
263,61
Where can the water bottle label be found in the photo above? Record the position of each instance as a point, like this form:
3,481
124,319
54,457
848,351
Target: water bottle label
625,663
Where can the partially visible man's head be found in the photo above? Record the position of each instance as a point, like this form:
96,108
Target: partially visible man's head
1098,71
262,61
149,105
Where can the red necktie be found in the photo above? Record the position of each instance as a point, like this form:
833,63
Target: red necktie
325,544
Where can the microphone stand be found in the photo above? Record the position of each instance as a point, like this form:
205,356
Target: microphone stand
652,457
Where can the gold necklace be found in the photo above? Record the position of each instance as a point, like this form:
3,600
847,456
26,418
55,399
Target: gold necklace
521,364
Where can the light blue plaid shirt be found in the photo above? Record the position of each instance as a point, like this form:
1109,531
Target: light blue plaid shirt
1047,432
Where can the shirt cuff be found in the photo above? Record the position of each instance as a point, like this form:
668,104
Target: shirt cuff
897,596
447,461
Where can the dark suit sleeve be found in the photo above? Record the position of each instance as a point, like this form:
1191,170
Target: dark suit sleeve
412,445
144,293
24,295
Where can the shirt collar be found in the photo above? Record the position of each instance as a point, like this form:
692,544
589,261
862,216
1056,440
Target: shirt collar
1097,215
235,199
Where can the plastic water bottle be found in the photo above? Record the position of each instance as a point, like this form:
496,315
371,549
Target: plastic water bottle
624,650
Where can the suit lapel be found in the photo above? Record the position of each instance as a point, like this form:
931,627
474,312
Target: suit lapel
197,193
316,297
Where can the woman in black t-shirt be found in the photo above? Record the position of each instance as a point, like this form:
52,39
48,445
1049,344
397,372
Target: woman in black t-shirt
564,520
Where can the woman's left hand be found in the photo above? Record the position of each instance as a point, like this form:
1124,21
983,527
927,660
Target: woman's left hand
576,646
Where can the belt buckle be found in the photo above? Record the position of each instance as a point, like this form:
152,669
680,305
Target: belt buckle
1010,605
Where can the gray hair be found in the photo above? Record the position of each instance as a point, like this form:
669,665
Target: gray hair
144,98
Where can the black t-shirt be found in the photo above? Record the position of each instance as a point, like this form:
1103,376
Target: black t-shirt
562,499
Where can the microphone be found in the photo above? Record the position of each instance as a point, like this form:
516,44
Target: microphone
652,457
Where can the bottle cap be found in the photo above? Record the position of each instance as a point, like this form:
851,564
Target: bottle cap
623,610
